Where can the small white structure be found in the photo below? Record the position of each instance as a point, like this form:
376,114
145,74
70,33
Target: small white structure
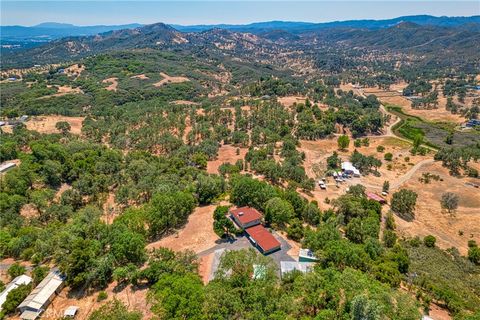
7,166
39,299
70,312
18,281
306,255
289,266
349,168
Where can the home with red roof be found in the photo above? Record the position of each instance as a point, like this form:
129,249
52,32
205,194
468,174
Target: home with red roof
246,217
250,220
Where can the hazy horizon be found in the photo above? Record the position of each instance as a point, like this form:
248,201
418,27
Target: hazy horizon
87,13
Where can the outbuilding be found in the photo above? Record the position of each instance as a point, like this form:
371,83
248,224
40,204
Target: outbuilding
18,281
7,166
39,299
70,312
306,255
376,197
263,239
349,168
246,217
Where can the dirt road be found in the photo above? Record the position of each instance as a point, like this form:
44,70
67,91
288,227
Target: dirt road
396,183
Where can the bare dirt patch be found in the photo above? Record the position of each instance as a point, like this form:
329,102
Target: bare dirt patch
290,100
226,153
64,187
197,235
140,77
396,98
205,267
185,102
133,299
113,84
62,91
110,209
449,229
75,70
29,211
168,79
46,124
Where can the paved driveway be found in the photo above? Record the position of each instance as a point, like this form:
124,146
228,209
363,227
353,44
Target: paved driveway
242,242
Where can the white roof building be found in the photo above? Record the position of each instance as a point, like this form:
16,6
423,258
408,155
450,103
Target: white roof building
350,168
289,266
70,312
39,299
7,166
18,281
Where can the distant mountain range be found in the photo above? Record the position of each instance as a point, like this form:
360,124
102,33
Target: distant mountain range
432,35
53,30
299,27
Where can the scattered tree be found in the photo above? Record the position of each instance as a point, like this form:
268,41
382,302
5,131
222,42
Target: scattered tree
343,142
449,201
403,203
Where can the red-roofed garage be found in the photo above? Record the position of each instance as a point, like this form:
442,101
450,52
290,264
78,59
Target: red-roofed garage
246,217
263,239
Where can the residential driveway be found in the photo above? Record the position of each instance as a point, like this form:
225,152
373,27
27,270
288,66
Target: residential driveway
242,242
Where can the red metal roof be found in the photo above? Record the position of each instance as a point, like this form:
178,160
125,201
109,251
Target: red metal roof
246,214
263,238
375,197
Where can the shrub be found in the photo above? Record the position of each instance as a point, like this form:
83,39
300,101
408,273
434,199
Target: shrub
380,148
389,238
343,142
429,241
415,242
474,255
16,270
388,156
102,295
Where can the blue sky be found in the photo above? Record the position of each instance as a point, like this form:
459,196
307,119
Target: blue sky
21,12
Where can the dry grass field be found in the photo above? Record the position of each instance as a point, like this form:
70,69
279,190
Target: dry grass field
46,124
392,96
317,152
450,229
290,100
140,77
168,79
197,235
226,153
133,298
113,83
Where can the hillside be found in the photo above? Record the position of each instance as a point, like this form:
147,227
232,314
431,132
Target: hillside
173,174
406,37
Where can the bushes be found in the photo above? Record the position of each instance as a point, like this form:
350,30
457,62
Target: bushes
222,225
403,203
14,298
429,241
209,187
16,270
473,252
